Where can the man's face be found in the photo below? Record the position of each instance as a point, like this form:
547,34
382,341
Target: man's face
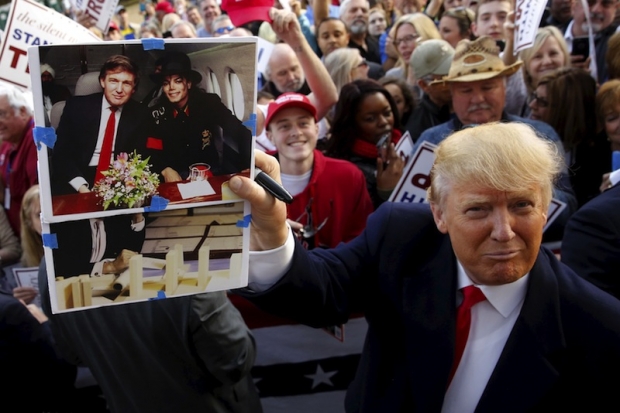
376,23
479,102
210,10
286,73
495,235
294,133
12,125
441,95
193,16
356,16
539,104
176,89
182,32
332,35
562,10
602,14
46,77
491,19
118,86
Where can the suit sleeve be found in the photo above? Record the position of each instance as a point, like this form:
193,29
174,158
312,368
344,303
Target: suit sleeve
221,338
591,247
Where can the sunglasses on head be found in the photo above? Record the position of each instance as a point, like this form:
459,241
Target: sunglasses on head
224,30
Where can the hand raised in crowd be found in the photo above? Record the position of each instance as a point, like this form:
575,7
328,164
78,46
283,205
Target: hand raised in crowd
26,294
389,171
269,229
84,19
577,61
120,264
295,7
285,25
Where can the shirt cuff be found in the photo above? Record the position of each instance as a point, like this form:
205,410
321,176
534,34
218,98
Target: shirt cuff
97,270
267,267
77,182
138,226
614,177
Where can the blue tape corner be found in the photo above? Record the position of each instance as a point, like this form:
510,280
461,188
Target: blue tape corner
245,222
157,204
152,43
251,123
44,135
160,296
50,241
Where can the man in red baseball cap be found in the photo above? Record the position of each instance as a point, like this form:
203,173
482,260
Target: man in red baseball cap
330,200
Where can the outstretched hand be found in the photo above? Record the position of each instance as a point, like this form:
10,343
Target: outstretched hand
268,225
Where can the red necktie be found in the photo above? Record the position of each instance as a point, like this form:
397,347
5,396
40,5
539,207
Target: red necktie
106,147
471,296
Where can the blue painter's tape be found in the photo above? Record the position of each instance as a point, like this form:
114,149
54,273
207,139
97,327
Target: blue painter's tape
160,296
50,241
251,123
157,204
245,222
44,135
151,43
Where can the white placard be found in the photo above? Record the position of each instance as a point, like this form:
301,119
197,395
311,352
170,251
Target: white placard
28,277
404,147
412,185
527,18
264,49
100,10
32,24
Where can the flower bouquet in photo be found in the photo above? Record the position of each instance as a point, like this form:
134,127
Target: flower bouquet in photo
127,183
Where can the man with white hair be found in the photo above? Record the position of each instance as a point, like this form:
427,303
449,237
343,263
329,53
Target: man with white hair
354,14
183,30
18,153
222,25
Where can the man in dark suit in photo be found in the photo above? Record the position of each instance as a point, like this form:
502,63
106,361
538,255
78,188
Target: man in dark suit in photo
94,129
81,134
466,311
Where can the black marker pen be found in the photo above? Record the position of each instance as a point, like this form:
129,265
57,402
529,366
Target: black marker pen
271,186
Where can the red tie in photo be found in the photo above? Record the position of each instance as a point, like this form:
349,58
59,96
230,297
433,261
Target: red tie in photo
106,147
471,296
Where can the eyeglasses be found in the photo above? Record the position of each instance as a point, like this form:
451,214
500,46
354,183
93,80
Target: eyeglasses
224,30
363,63
542,102
407,39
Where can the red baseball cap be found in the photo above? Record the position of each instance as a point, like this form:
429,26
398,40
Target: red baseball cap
245,11
165,7
289,100
113,26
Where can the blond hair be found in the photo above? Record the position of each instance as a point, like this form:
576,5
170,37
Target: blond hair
339,65
501,156
527,55
32,243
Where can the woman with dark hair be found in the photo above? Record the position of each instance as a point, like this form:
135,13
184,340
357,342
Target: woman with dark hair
571,111
403,96
364,131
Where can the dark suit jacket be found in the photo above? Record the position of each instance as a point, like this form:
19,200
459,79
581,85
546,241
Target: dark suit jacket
591,243
562,352
77,137
182,354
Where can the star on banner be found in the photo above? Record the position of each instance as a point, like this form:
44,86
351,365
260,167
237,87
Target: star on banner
321,377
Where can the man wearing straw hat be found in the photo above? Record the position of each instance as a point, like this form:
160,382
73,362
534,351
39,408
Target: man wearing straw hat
477,81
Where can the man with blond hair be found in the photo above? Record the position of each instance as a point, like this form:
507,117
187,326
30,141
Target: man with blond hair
466,311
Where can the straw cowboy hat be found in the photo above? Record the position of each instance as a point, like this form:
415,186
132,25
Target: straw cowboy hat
477,60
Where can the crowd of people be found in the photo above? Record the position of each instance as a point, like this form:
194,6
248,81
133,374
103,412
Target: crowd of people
344,82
